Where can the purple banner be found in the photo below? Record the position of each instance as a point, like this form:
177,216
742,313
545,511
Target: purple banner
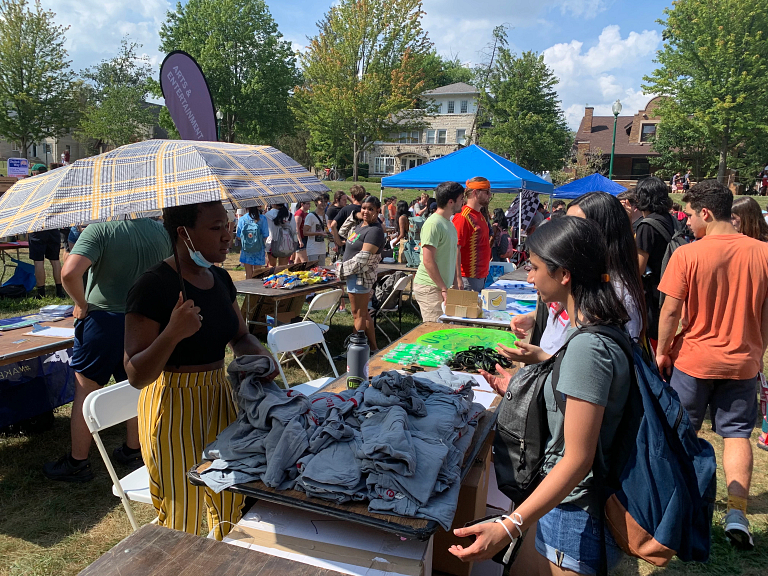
187,97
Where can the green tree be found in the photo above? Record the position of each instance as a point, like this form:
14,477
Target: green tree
249,67
521,105
363,75
36,82
714,66
441,71
117,112
682,143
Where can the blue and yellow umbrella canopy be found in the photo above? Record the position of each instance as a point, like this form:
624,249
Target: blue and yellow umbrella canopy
139,180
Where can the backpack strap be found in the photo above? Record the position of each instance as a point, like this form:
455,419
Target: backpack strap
659,227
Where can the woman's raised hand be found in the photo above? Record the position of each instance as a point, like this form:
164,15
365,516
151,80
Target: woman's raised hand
520,325
522,352
185,319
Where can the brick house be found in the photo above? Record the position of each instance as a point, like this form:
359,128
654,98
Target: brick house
449,129
634,155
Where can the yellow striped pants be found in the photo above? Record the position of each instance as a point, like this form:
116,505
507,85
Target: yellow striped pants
179,415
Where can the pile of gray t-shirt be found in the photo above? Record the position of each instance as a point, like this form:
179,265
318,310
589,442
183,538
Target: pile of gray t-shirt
398,442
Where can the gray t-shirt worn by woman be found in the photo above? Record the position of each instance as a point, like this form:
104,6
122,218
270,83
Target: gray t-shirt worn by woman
594,369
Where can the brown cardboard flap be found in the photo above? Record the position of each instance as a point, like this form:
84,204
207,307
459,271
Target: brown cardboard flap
331,552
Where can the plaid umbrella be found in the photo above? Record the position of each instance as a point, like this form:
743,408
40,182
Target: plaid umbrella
139,180
530,203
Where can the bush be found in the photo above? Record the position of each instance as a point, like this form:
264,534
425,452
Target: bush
362,170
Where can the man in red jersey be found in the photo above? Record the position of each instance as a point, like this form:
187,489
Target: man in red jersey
474,234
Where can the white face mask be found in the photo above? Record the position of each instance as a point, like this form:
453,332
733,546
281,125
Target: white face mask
196,255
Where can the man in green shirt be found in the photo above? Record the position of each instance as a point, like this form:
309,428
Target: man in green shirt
440,265
114,254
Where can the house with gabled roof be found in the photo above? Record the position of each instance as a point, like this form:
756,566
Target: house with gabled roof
634,153
450,127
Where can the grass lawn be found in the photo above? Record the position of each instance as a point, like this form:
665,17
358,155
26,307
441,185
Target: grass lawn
49,528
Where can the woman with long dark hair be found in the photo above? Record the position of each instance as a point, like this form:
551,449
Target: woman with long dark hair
747,218
276,217
362,255
608,213
568,265
403,224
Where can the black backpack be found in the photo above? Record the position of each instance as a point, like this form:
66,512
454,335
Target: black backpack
383,288
680,237
519,445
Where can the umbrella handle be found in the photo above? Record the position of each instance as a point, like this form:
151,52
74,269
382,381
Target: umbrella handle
178,271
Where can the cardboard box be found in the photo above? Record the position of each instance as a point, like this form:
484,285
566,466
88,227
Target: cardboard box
463,303
474,493
325,542
494,299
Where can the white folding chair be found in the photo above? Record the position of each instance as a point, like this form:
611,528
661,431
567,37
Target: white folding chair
103,409
291,337
325,301
392,303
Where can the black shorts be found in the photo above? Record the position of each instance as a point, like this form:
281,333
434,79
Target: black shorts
99,347
45,244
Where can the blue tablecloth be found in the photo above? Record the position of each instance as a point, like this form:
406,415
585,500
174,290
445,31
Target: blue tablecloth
32,387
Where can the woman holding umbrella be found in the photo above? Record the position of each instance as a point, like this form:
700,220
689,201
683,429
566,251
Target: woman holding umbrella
174,353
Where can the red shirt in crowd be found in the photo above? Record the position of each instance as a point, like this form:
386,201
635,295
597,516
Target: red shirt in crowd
474,243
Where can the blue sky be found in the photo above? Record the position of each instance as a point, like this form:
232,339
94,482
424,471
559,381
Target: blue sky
600,49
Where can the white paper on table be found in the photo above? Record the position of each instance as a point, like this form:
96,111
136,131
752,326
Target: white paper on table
484,394
54,332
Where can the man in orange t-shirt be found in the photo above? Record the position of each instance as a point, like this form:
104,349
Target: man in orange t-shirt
719,286
474,234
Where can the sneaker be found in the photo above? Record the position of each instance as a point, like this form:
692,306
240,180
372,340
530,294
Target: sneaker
737,529
126,456
64,471
761,441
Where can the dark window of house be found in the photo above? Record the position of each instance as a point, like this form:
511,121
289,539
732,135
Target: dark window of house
649,131
640,167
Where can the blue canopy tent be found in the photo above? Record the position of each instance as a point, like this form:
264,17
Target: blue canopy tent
466,163
594,183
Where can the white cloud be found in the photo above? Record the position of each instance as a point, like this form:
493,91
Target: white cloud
608,70
96,27
458,27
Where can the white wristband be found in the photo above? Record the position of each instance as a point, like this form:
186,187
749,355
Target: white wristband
517,520
501,521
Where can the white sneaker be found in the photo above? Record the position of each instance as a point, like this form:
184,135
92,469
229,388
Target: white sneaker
737,529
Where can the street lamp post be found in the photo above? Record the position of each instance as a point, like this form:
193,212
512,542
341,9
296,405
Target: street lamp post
219,118
616,109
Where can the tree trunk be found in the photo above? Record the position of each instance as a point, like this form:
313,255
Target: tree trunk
722,165
355,154
23,148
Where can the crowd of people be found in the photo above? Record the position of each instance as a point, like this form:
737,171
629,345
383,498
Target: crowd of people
632,262
157,310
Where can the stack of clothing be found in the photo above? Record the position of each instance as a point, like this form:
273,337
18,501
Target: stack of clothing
398,442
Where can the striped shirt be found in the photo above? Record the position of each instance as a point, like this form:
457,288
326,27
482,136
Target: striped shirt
474,243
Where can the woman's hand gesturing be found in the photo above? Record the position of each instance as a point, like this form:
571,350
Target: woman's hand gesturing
522,352
185,319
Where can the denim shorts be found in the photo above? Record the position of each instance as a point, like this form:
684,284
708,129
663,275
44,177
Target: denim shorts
732,403
354,288
570,538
